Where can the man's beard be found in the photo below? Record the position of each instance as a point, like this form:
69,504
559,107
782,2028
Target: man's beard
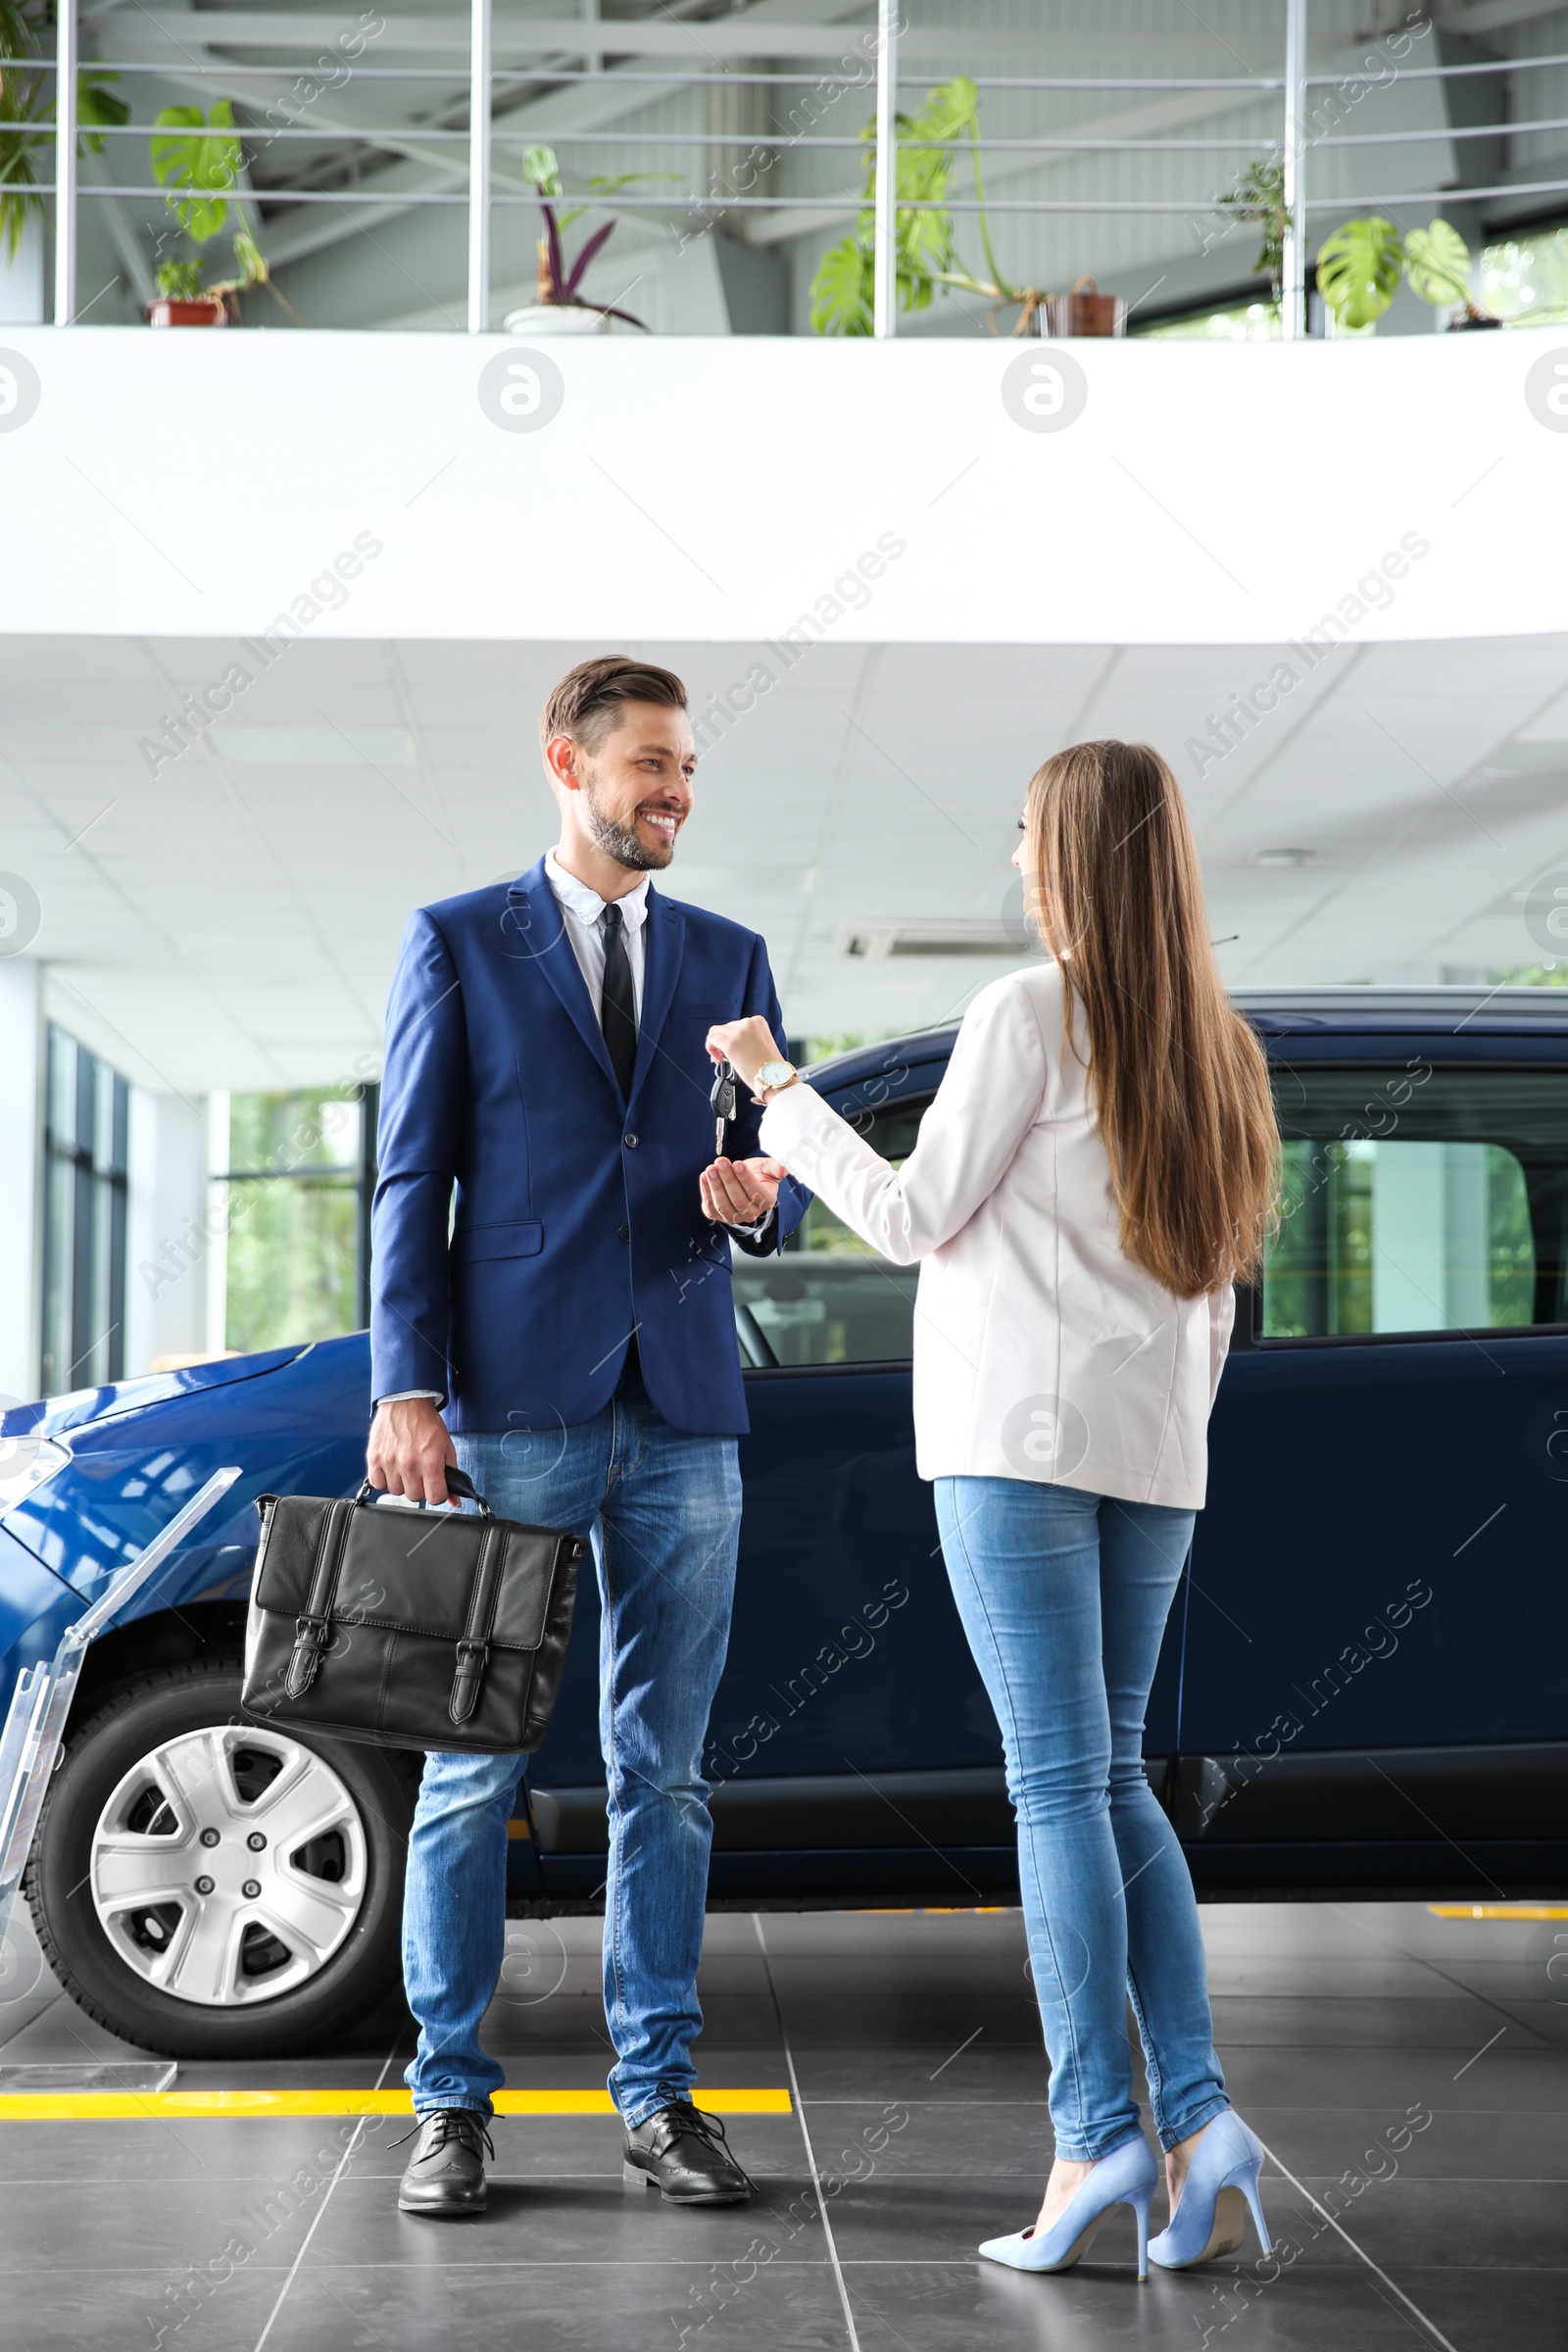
619,841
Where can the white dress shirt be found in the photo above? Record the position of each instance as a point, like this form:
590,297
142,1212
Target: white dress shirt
1042,1351
582,908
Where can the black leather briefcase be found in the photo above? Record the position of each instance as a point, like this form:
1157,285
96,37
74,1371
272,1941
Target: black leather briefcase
407,1628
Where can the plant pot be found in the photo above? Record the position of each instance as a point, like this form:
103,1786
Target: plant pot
1085,312
1466,325
171,312
557,319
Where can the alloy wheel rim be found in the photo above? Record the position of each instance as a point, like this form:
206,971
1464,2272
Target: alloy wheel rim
229,1865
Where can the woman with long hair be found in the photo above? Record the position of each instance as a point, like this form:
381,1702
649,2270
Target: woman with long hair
1097,1170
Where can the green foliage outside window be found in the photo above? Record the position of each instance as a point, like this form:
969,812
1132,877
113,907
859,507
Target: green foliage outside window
1523,280
293,1197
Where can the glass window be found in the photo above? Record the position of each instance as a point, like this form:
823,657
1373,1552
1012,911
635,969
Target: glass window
1241,323
1523,280
86,1126
830,1299
1415,1199
294,1197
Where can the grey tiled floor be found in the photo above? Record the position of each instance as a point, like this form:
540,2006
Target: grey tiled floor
922,2128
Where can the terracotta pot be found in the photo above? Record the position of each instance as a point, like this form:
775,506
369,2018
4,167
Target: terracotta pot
169,312
1085,312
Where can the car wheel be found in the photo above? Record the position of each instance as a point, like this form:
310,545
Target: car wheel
211,1887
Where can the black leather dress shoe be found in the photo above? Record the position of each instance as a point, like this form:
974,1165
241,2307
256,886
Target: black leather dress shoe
683,2154
445,2177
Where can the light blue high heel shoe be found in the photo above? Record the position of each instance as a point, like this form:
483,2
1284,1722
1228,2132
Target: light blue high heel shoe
1217,2195
1126,2177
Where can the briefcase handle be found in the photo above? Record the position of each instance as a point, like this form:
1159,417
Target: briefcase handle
458,1482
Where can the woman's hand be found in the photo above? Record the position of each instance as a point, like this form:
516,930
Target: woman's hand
744,1045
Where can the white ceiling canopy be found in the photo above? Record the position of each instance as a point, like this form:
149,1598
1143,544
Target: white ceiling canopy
232,921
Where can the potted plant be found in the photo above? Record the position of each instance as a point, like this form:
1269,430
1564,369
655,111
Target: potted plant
1085,311
1359,267
559,307
1260,195
28,114
925,250
197,159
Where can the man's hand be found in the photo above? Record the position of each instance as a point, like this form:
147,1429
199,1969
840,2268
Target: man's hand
409,1451
740,1191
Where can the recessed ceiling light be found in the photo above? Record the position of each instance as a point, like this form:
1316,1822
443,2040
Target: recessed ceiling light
1285,857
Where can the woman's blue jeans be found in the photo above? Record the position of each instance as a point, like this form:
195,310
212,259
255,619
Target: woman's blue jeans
1064,1598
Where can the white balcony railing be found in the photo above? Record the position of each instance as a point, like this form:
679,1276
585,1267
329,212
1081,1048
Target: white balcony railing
463,121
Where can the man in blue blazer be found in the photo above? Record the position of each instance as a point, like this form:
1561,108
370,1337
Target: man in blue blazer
551,1310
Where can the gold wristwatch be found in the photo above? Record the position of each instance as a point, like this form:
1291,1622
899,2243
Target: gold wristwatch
771,1079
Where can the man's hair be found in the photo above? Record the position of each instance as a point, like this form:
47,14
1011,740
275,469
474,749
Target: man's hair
587,703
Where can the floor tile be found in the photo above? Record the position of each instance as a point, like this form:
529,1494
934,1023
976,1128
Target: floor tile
915,2044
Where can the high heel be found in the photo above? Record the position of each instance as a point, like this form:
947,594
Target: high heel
1126,2177
1219,2191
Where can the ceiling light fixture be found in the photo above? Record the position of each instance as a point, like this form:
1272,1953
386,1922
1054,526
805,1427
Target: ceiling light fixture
1285,857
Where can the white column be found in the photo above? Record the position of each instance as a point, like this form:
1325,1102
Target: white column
885,298
217,1228
1431,1249
22,1079
1292,287
65,167
479,167
166,1242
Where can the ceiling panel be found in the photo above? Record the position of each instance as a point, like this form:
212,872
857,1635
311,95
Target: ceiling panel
235,920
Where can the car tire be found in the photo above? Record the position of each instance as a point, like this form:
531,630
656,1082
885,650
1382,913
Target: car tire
106,1953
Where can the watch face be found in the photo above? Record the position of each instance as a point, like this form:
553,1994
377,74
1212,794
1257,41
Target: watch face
775,1073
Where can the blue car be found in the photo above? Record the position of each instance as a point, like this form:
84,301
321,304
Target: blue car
1364,1685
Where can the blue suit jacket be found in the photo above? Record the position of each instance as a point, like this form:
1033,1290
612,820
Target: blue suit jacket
578,1218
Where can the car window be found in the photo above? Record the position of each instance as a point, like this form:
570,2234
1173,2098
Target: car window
832,1301
1418,1198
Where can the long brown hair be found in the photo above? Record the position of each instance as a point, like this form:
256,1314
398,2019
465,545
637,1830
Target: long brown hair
1178,1080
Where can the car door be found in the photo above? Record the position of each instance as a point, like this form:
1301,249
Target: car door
1375,1671
853,1746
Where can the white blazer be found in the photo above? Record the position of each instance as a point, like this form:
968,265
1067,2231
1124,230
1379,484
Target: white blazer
1041,1351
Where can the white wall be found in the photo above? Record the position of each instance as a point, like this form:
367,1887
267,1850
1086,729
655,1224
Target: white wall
716,488
22,1065
22,280
166,1267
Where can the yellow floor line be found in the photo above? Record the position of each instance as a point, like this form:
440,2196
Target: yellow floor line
193,2106
1498,1910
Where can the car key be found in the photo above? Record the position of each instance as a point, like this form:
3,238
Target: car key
723,1099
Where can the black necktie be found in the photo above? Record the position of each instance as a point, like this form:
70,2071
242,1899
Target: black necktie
617,1005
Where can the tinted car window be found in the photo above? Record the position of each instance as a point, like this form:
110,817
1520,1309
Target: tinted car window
1418,1198
833,1300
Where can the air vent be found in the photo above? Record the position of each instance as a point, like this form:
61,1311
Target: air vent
873,940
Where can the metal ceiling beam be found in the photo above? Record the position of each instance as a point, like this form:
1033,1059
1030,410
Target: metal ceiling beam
1491,16
579,106
520,39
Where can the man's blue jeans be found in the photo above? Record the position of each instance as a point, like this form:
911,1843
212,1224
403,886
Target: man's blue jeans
662,1509
1064,1598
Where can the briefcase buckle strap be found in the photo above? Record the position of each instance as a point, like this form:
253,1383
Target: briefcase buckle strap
311,1636
469,1681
